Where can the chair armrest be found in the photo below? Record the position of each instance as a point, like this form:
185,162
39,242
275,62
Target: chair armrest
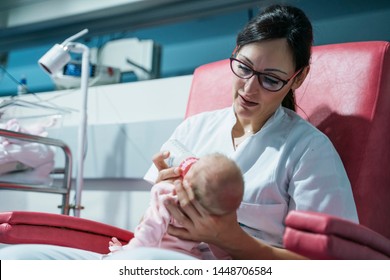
20,227
321,236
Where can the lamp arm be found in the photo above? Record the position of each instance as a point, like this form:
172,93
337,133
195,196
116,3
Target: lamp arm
82,134
75,36
51,62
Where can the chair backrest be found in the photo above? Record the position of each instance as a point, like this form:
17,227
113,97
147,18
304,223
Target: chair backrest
211,88
347,96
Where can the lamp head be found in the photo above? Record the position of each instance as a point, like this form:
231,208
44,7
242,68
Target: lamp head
56,58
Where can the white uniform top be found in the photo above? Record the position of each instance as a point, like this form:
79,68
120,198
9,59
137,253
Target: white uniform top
287,165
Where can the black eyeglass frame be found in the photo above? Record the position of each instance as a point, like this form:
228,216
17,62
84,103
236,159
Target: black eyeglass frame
257,73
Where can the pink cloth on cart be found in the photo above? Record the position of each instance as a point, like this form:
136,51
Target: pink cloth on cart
25,162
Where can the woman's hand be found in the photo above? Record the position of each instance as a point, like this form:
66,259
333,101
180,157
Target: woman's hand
197,224
222,231
165,173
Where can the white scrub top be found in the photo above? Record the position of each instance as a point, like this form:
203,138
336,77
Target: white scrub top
287,165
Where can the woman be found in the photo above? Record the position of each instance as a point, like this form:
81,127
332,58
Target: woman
287,163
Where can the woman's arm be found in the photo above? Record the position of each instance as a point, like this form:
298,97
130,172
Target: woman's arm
222,231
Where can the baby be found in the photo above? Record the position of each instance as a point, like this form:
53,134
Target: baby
218,186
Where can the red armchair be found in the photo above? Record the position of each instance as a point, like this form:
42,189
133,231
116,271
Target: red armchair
346,95
20,227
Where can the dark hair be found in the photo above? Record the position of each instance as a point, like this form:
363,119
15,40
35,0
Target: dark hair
278,21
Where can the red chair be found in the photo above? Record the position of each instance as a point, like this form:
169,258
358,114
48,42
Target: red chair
346,95
20,227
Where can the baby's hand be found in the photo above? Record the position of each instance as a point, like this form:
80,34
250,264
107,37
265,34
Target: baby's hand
114,245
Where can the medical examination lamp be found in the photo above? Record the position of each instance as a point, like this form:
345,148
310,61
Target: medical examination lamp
53,61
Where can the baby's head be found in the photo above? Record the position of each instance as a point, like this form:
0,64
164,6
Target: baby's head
217,183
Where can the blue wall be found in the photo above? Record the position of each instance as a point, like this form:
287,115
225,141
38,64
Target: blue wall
189,44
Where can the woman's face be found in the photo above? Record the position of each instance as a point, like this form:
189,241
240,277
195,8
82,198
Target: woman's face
253,103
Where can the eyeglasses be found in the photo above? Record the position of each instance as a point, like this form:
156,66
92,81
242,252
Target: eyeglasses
268,82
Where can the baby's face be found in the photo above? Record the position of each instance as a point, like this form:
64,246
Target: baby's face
199,170
193,173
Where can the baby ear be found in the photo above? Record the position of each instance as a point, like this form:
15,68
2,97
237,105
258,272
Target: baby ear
300,78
